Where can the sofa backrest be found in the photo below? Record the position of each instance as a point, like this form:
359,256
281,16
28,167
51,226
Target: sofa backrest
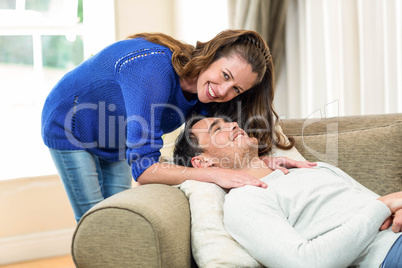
368,148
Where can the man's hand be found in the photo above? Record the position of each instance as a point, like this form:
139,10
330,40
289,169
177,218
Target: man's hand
229,178
395,220
283,163
394,203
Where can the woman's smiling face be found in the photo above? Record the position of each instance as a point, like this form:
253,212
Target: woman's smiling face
225,79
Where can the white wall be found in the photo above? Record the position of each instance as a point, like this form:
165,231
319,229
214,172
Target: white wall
186,20
200,20
36,219
134,16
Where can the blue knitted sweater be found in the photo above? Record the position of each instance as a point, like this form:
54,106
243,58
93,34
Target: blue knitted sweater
118,104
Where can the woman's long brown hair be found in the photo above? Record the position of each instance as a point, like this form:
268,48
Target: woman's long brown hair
253,110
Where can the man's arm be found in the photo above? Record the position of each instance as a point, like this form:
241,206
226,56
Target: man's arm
393,202
257,222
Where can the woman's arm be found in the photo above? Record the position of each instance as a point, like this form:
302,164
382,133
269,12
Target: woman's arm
171,174
146,84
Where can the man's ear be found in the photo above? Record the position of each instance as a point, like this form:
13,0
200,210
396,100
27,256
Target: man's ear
201,161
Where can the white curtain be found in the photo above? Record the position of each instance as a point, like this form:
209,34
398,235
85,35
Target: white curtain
342,57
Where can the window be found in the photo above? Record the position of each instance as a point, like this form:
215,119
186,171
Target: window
40,40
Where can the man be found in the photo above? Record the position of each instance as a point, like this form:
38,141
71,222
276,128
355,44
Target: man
312,217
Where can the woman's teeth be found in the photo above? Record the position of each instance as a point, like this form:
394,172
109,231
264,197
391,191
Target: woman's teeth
211,92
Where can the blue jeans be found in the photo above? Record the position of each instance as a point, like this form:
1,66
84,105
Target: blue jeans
89,179
394,256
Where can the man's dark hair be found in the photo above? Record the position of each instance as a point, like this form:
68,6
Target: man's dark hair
186,146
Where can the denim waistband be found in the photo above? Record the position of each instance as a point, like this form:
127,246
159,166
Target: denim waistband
394,256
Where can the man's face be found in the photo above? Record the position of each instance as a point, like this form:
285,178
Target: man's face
224,144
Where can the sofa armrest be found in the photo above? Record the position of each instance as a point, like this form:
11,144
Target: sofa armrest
146,226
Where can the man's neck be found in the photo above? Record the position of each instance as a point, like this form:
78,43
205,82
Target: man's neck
257,168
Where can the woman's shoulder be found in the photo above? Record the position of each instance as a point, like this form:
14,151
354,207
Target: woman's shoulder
140,44
150,56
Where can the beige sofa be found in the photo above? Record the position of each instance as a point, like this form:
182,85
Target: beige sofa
149,226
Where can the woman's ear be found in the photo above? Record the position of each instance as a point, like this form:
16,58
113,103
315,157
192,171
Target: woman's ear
200,161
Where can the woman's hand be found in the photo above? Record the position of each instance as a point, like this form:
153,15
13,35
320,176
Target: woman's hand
283,163
229,178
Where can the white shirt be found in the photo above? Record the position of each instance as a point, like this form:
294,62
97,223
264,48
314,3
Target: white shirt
317,217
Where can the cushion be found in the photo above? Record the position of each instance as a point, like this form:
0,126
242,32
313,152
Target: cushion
212,246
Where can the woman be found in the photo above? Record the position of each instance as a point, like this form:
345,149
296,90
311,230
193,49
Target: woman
115,107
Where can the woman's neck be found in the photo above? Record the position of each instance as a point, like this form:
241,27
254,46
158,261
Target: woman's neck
188,85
